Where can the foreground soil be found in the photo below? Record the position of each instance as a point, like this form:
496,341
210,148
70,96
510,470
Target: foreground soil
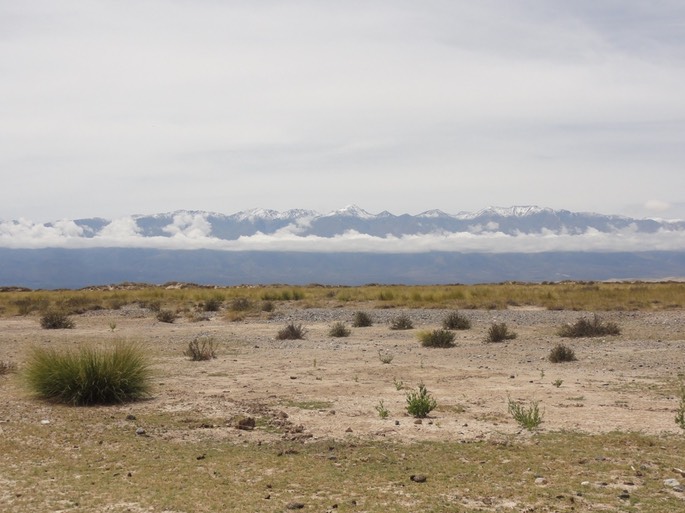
325,390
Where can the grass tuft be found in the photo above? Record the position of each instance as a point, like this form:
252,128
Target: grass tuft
499,332
456,321
89,375
56,321
166,316
437,338
339,330
401,322
528,418
585,327
292,332
561,353
201,348
362,320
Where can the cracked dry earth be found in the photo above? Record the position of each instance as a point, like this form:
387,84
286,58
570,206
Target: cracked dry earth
328,388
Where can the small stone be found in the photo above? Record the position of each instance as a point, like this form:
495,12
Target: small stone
397,422
672,482
624,495
130,417
267,496
418,478
45,422
540,481
418,421
348,430
246,423
294,505
140,431
200,457
512,376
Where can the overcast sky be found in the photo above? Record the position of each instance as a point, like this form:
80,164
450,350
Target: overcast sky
110,108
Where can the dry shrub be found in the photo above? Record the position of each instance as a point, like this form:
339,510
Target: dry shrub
292,332
56,321
201,348
499,332
585,327
561,353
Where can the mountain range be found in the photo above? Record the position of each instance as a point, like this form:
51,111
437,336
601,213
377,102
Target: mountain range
346,246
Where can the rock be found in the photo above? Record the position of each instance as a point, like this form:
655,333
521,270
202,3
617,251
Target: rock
294,505
418,478
140,431
672,482
397,422
624,495
418,421
348,430
130,417
540,481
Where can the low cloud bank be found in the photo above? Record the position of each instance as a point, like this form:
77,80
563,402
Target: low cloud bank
187,232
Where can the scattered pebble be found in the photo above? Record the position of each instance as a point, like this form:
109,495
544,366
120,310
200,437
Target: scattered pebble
418,478
540,481
140,431
294,505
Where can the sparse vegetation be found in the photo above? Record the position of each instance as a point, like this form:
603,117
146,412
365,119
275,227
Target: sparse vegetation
339,330
557,382
213,304
385,357
167,316
456,321
680,413
7,367
499,332
420,402
89,375
382,410
240,304
528,418
268,306
362,320
292,332
399,384
201,348
437,338
561,353
55,320
401,322
585,327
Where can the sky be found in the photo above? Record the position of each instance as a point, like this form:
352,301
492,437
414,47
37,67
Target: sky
116,107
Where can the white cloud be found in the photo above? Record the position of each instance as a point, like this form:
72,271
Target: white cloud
189,225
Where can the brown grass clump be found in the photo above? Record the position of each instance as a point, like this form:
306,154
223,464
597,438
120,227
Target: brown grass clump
585,327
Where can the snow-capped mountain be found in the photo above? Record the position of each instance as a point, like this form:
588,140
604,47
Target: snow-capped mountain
509,221
345,246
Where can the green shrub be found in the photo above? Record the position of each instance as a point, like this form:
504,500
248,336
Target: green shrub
528,418
291,332
362,320
420,403
585,327
166,316
456,321
89,375
56,321
561,353
339,330
201,348
437,338
383,412
499,332
401,322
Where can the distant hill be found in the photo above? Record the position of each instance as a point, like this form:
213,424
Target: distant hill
346,246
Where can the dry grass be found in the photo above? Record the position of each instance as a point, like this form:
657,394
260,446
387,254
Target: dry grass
54,467
587,296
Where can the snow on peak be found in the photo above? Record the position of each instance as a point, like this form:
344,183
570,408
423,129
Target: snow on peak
255,214
352,211
516,211
434,213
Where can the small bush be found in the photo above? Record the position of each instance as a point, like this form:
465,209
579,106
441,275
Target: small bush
291,332
362,320
401,322
385,358
680,413
56,321
201,348
420,403
499,332
561,353
166,316
528,418
240,304
7,367
268,306
456,321
585,327
383,412
89,375
437,338
213,304
339,330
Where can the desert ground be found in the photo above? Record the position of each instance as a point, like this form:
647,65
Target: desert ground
327,390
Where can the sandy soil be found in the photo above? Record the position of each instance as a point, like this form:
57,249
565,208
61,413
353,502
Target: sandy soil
324,387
